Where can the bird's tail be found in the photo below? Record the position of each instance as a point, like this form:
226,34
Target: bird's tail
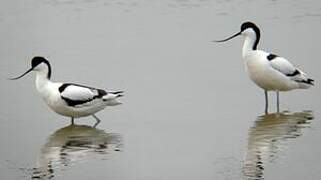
111,98
306,83
118,93
303,81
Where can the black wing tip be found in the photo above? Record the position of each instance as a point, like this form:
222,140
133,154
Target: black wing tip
310,81
118,93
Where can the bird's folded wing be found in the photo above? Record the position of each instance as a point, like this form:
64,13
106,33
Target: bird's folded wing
79,93
284,66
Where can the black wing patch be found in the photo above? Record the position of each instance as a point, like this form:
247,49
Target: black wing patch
296,72
71,102
270,57
63,87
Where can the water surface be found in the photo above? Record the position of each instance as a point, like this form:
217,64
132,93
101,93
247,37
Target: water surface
190,111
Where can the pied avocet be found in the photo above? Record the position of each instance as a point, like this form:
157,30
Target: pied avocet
269,71
69,99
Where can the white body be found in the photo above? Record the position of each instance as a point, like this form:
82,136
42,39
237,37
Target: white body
53,97
270,75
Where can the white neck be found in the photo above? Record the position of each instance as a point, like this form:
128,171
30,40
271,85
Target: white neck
42,81
248,45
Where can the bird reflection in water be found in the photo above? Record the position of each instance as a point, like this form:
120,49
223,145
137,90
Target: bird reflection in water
268,136
72,144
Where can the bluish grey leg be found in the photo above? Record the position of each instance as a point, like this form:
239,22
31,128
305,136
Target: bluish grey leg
97,120
278,101
266,102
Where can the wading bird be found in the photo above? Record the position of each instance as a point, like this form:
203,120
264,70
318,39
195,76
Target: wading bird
69,99
269,71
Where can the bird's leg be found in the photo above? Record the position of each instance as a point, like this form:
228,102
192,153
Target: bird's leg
97,119
266,101
72,120
278,101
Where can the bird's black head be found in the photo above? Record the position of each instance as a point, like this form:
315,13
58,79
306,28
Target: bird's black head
248,28
38,60
247,25
37,64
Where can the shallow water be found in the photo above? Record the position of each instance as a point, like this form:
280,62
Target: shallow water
190,111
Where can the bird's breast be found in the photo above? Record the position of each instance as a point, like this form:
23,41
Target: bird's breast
259,72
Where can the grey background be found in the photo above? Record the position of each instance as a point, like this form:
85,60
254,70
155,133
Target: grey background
189,108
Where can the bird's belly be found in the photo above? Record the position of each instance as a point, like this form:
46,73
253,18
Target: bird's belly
267,78
59,106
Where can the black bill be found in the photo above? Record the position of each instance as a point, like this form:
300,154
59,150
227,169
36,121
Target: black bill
21,75
239,33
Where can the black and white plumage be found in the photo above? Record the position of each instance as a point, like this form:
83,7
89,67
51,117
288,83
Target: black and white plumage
69,99
80,96
269,71
285,67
